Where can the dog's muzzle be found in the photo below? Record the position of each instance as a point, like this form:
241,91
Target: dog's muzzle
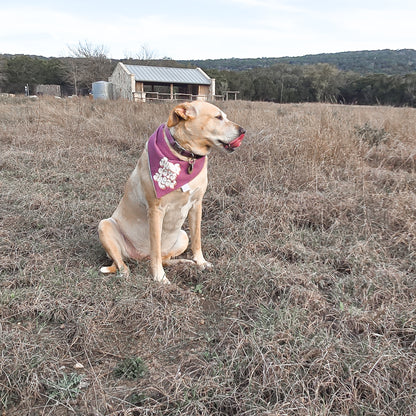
236,142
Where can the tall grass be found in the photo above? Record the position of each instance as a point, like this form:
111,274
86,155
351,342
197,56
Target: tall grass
310,309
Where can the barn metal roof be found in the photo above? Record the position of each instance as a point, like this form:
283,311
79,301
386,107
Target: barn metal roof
168,75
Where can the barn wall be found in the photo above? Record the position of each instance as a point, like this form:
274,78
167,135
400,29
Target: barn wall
48,89
203,92
123,83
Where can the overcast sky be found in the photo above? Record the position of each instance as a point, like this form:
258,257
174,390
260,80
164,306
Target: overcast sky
193,29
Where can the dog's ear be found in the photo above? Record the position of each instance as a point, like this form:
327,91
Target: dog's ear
184,111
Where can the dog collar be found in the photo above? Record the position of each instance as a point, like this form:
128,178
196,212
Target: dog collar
178,148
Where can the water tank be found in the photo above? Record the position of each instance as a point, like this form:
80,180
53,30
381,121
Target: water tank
102,90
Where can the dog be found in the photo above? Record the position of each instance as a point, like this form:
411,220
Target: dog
166,187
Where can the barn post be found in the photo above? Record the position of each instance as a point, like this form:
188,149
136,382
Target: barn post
132,86
142,95
212,90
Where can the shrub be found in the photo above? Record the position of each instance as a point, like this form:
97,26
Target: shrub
131,368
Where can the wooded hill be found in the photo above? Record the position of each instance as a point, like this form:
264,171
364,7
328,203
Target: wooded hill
390,62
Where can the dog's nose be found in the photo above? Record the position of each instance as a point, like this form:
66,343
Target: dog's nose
242,131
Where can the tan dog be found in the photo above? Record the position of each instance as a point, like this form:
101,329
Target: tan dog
147,226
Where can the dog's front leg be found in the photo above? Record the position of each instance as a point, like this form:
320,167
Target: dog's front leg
155,217
195,218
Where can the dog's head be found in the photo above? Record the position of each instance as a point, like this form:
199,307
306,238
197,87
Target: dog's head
199,126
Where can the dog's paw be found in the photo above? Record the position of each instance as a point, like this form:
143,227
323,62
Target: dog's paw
163,279
200,261
123,272
206,265
108,270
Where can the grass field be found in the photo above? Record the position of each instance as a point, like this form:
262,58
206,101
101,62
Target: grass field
311,306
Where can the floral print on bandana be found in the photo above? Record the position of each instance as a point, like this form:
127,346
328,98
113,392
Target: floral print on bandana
167,173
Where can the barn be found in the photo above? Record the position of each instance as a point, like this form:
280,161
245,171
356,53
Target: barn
145,83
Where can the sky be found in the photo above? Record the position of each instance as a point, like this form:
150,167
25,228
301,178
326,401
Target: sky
206,29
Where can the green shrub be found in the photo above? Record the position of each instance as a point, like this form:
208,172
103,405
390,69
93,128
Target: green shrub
131,368
370,135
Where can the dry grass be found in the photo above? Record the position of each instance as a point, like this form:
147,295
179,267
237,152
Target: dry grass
310,309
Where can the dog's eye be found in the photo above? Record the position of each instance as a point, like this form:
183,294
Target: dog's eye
219,117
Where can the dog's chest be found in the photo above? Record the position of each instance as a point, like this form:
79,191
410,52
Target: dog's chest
178,208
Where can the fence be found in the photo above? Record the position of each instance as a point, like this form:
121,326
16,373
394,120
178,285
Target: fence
158,96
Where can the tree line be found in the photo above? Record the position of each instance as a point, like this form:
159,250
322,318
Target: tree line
386,61
74,75
287,83
281,83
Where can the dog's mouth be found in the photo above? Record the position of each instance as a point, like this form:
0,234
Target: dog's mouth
230,147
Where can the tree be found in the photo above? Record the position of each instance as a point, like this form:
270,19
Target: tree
89,63
144,54
88,50
264,89
324,82
409,83
24,70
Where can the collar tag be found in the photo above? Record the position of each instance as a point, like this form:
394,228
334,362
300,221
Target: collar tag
190,166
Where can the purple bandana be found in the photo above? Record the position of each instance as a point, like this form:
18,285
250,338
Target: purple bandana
168,172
